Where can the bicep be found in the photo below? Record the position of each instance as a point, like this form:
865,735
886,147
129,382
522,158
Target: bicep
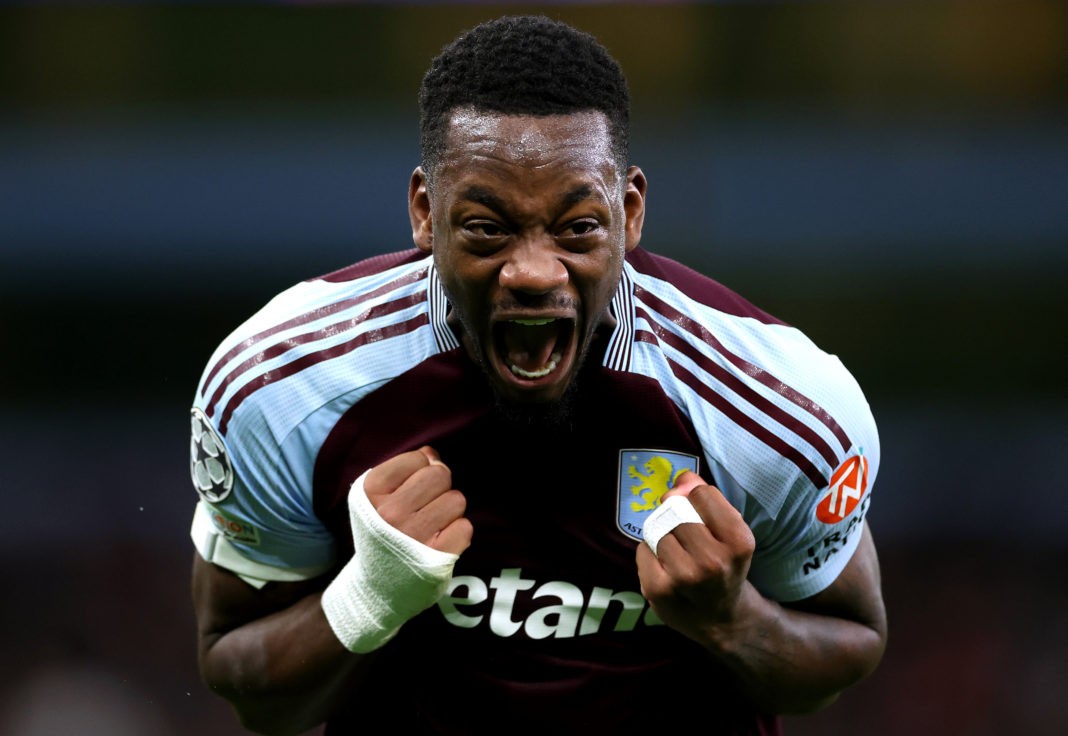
856,594
222,601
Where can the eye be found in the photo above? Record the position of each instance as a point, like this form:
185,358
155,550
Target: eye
578,228
483,229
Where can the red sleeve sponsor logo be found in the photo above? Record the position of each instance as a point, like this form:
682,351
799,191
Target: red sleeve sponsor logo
848,485
820,553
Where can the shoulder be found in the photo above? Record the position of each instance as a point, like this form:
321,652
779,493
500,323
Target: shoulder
311,342
688,314
381,263
776,412
655,274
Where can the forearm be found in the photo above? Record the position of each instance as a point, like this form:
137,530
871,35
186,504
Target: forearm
792,661
282,673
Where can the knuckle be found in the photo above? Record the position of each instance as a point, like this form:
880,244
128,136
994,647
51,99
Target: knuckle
746,542
437,474
713,568
455,502
690,577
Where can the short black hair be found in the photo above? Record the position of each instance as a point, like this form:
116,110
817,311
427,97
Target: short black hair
522,65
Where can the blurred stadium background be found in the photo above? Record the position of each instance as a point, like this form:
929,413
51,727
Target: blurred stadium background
891,177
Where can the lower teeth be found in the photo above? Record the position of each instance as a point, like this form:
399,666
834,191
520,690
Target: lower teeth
553,360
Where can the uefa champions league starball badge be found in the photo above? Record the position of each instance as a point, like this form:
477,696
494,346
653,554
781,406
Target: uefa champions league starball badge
213,475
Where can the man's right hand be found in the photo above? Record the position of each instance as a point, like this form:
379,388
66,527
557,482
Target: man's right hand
408,530
413,493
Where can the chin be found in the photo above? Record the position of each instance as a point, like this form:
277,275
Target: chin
537,409
545,415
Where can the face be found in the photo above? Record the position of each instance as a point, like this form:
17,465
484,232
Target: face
529,219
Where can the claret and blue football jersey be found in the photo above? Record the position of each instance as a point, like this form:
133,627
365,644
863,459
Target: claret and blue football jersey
544,615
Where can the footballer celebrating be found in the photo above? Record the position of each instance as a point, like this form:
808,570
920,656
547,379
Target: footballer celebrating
527,475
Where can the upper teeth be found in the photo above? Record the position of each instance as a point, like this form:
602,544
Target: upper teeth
533,322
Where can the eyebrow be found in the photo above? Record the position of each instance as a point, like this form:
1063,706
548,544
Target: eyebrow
487,198
578,194
483,197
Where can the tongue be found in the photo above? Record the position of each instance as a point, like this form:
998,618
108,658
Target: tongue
529,347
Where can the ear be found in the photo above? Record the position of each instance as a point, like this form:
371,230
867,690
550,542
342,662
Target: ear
419,211
634,206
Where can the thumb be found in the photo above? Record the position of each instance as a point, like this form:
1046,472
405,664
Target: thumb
685,482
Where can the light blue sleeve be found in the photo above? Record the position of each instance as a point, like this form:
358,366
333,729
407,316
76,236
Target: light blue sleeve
804,549
256,514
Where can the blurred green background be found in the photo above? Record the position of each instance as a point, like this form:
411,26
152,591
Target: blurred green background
889,176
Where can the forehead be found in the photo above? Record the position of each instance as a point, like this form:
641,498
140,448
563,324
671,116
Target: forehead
487,143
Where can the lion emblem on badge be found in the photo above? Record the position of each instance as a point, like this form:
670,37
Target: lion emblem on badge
643,476
653,483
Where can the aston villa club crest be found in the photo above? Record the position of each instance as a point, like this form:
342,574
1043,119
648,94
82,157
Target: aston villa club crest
644,477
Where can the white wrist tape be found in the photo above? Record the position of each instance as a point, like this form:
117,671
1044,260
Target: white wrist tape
672,512
390,578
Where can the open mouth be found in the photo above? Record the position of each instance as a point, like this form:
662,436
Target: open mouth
533,348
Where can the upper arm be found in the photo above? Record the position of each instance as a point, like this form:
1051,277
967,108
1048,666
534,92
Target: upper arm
222,601
856,594
269,650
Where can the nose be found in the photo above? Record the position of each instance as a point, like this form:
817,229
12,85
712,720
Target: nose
533,267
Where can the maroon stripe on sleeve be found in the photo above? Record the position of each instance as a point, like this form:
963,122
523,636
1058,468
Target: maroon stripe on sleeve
304,319
374,264
284,346
733,413
739,387
699,331
697,286
307,361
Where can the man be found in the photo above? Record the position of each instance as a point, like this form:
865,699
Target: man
528,475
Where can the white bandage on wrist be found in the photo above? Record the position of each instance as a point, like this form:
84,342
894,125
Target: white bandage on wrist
672,512
390,578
